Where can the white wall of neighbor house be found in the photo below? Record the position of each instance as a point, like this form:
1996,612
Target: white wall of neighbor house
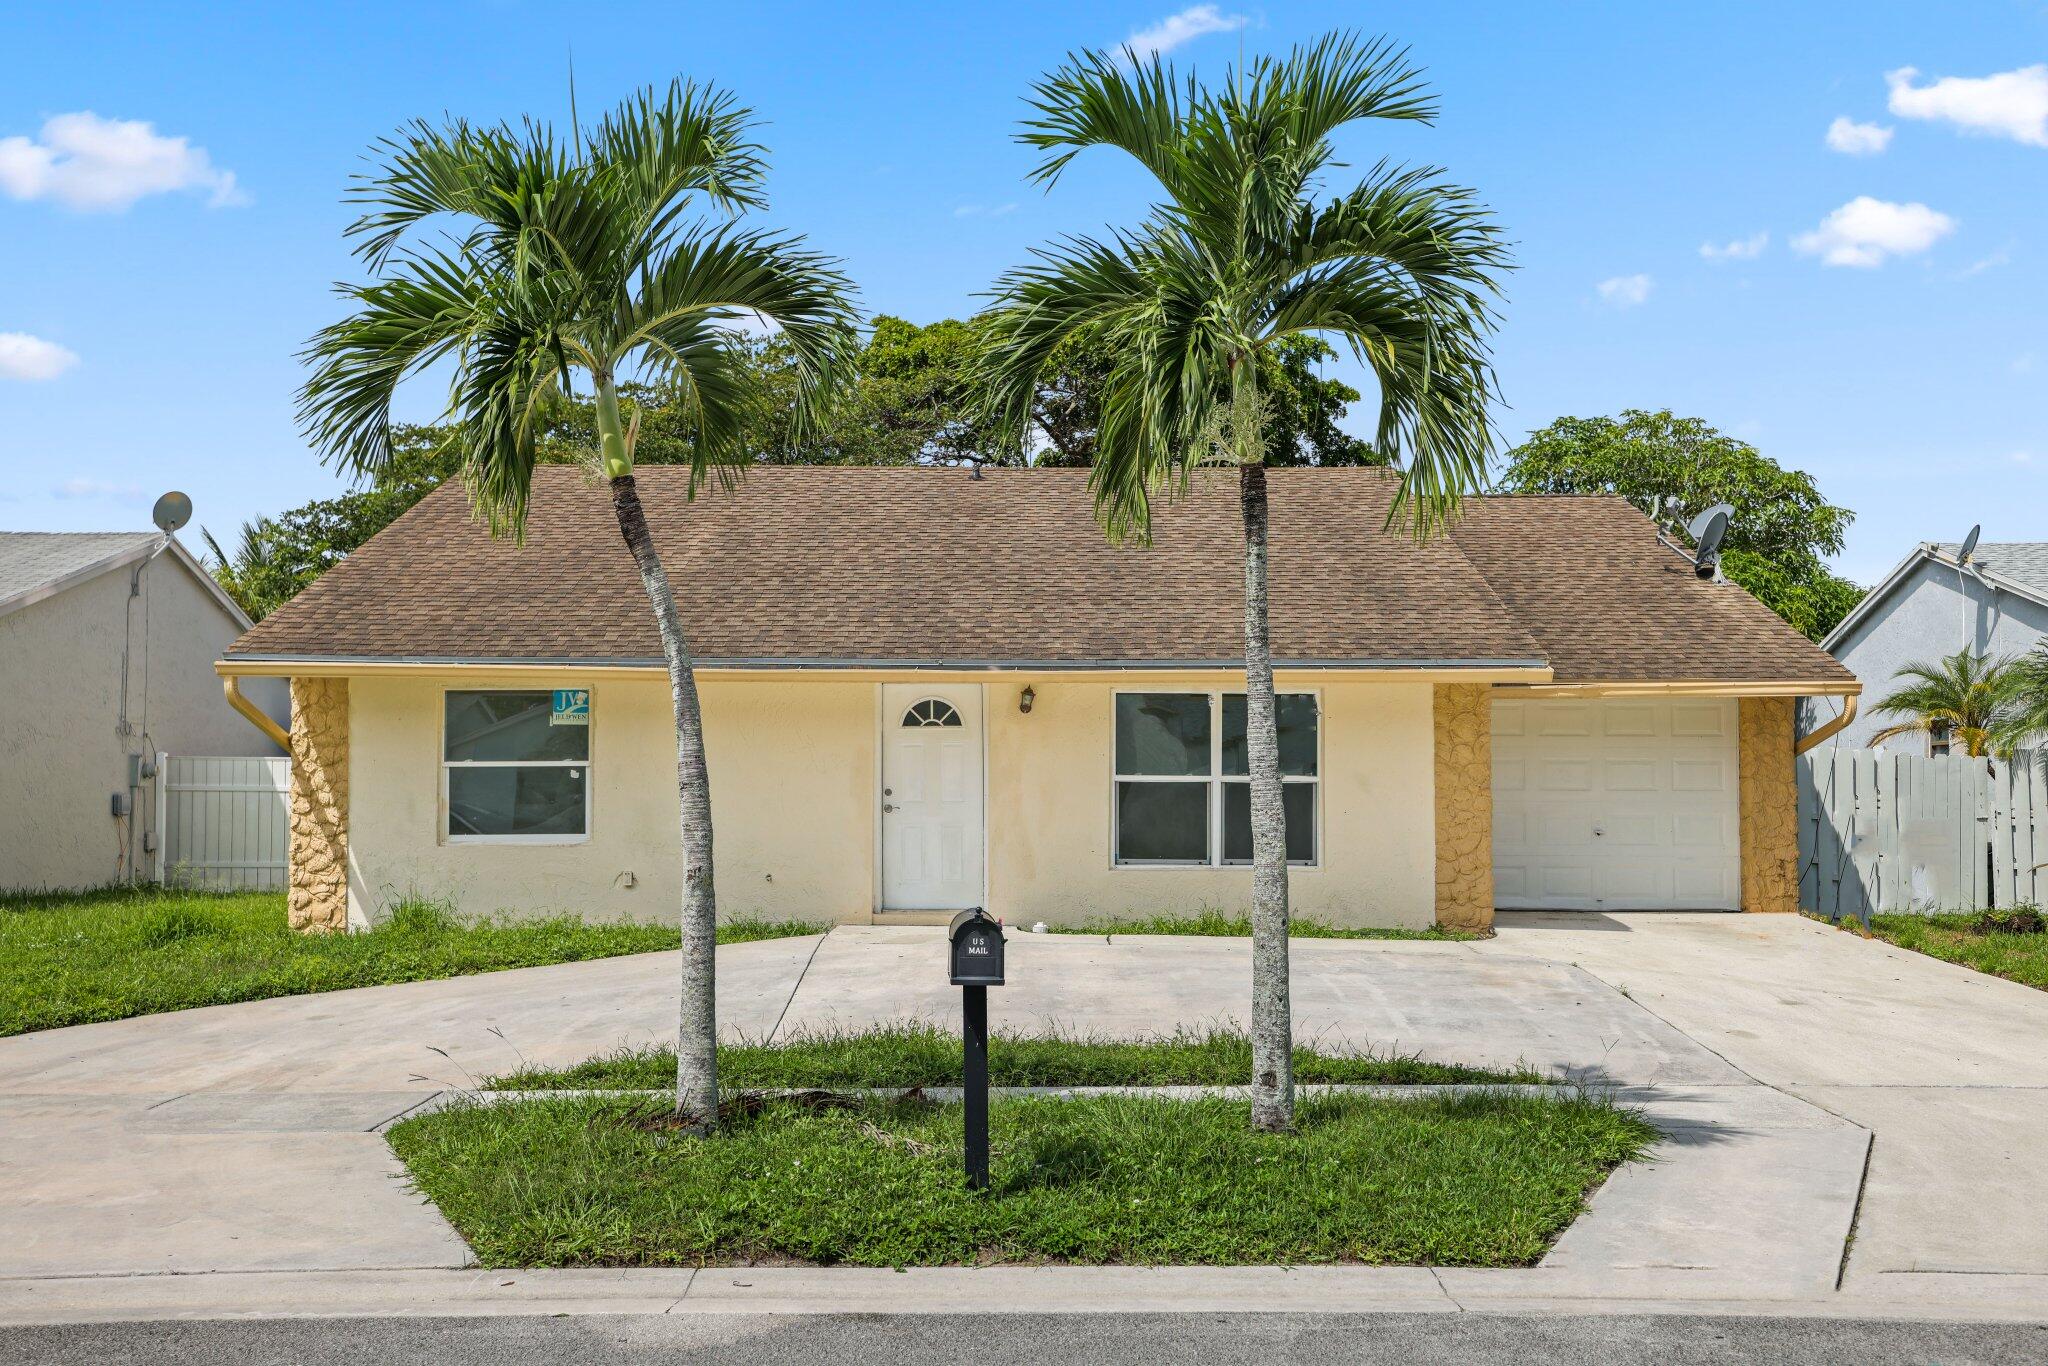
796,800
62,754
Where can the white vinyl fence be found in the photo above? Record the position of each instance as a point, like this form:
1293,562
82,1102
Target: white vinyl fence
1883,832
222,822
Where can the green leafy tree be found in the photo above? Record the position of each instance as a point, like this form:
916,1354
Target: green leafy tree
1303,408
1241,252
581,260
1781,529
1963,699
276,557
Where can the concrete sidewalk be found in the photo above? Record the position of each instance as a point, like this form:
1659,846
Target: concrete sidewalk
242,1140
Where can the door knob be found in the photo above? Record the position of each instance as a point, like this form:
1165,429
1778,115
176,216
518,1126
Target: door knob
887,807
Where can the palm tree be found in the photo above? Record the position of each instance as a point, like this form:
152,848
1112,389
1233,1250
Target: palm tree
2026,713
2024,719
567,258
1238,254
1964,697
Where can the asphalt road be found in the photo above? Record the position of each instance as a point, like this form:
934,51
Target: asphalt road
910,1340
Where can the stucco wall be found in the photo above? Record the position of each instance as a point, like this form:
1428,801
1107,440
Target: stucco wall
1050,803
61,756
1925,618
794,806
792,781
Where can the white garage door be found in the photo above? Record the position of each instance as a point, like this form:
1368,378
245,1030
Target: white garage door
1615,805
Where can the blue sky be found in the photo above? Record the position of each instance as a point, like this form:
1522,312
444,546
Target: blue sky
1879,322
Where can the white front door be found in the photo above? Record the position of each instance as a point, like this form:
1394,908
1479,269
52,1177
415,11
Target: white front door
931,797
1616,804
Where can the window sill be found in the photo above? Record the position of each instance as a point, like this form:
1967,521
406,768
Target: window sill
1167,866
516,839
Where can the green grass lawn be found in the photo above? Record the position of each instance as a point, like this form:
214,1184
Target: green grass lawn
922,1054
1218,925
1473,1179
2019,957
75,958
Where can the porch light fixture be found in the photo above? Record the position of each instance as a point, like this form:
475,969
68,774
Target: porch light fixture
1025,699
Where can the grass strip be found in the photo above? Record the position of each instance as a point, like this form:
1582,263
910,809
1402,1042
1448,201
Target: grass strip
1474,1179
76,958
920,1053
1215,924
2019,958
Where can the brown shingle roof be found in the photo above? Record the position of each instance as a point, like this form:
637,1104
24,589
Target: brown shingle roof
1608,603
846,566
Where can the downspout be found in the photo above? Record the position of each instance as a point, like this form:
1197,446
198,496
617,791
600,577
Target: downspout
1832,728
256,716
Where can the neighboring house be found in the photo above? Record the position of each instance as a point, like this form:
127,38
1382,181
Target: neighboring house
1927,608
107,644
925,691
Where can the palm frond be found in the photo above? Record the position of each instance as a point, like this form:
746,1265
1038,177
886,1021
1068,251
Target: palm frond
564,257
427,308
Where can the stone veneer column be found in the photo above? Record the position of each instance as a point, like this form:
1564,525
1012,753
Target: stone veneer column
319,806
1464,806
1769,806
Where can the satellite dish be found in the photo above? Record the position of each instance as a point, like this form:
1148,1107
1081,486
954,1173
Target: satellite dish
1708,531
172,511
1969,544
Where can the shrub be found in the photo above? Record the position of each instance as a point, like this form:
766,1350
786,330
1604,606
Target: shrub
2009,920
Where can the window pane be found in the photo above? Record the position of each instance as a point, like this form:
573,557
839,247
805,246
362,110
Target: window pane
1162,821
1296,713
1298,800
515,801
510,725
1164,734
931,712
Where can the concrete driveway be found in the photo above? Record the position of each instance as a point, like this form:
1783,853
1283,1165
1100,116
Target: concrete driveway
1948,1068
244,1140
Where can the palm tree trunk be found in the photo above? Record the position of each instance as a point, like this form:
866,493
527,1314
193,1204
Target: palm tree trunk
1272,1005
697,1027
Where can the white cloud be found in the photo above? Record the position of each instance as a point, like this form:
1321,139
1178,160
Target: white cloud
983,210
31,358
1864,231
1625,291
1176,30
2011,104
2021,457
1855,139
1741,249
98,488
83,161
2023,363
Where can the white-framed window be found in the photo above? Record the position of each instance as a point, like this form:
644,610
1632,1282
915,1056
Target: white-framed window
515,768
1183,785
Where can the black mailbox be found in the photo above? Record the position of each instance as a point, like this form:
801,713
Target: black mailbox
977,940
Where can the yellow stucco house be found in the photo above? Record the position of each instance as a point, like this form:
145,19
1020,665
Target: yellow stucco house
926,690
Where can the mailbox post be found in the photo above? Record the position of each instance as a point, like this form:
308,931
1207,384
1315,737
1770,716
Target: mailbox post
975,947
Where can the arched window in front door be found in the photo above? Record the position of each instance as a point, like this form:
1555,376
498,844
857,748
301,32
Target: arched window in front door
932,711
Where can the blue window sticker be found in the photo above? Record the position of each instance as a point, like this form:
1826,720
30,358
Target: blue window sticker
571,707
